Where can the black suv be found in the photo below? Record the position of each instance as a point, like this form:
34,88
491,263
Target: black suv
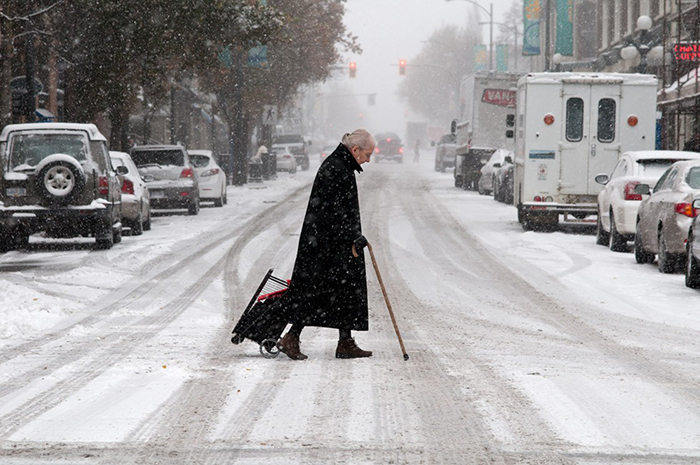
296,145
389,147
170,177
57,178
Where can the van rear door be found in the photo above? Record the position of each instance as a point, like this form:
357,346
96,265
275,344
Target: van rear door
590,134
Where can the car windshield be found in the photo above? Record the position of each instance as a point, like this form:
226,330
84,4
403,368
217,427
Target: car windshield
693,178
158,157
199,161
654,168
27,150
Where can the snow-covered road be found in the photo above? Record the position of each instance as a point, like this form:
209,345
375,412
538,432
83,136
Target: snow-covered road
525,347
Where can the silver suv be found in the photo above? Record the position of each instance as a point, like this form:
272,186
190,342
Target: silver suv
58,178
170,176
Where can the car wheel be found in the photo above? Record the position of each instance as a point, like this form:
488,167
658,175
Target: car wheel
692,267
641,256
193,208
225,194
437,165
59,182
666,262
220,201
117,235
147,223
458,181
601,236
618,243
104,235
137,226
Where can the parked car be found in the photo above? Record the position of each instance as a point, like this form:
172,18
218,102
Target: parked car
57,178
171,179
136,200
692,267
488,171
664,217
445,152
618,202
212,179
296,145
389,147
285,159
327,150
503,181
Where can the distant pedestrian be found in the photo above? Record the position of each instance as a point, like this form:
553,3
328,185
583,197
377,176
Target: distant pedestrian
329,285
416,151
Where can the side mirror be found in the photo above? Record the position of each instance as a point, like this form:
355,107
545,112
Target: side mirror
496,165
508,160
432,143
642,189
122,169
510,134
310,143
148,178
602,179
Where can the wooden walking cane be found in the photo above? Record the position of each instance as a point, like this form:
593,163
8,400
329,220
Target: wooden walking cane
386,297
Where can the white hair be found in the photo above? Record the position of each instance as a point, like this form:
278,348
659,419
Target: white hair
361,138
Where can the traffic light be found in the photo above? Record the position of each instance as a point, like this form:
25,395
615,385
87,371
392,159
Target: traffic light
402,67
353,69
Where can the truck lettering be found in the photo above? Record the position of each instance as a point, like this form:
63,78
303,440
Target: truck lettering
500,97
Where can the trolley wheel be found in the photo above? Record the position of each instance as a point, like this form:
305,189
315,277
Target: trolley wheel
237,338
268,348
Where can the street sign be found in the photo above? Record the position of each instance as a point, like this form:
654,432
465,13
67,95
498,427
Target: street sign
270,114
257,57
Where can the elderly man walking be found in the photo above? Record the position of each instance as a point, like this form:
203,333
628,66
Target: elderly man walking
329,285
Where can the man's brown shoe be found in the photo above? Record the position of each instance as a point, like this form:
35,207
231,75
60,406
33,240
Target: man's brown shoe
290,346
348,349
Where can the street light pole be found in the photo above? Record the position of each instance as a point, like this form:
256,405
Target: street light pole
490,13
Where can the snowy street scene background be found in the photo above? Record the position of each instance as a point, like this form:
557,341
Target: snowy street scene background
529,187
524,347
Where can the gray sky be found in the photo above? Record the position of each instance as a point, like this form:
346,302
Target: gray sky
389,30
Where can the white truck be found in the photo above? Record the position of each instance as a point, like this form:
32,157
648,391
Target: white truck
486,122
571,127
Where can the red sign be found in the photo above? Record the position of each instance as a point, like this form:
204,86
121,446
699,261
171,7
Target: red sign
687,52
500,97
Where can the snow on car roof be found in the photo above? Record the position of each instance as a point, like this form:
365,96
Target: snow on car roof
552,78
661,155
90,129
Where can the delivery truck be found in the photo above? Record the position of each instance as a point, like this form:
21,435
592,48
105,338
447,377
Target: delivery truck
486,122
571,127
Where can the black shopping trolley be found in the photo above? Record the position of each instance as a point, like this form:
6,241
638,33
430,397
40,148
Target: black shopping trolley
261,321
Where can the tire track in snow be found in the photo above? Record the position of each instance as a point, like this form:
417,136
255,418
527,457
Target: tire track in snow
570,321
112,348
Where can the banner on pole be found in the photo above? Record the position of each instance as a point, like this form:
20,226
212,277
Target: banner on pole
531,27
565,28
502,57
480,58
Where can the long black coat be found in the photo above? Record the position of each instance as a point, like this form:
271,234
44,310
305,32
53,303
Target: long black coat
329,284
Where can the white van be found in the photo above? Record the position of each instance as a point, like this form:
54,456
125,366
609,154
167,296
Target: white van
571,127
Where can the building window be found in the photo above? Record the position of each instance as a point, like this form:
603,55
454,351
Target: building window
606,120
574,119
654,8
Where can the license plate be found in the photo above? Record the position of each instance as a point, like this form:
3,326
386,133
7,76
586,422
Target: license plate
16,191
157,194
